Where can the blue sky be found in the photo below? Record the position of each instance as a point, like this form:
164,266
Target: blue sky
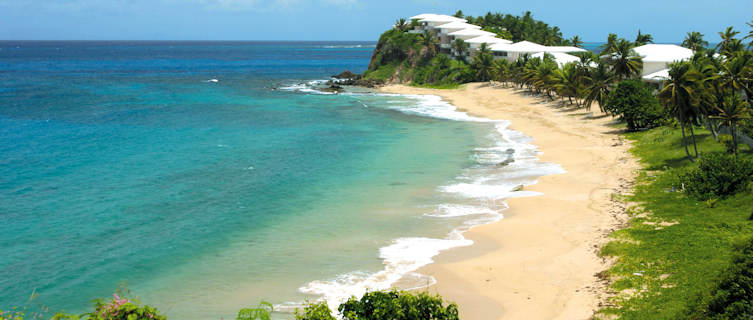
666,20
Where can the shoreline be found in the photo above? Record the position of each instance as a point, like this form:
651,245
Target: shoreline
540,261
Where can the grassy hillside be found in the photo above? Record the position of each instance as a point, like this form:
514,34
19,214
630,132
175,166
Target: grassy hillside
676,249
403,57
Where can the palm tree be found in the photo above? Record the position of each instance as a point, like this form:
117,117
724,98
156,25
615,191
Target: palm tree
732,111
598,84
569,82
737,73
643,38
501,70
625,62
733,46
544,77
750,34
609,47
726,36
484,49
401,24
576,41
460,48
459,14
694,41
483,65
681,96
431,43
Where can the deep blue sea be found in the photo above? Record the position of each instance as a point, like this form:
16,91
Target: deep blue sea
208,176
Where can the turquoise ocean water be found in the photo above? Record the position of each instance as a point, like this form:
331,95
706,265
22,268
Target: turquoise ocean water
211,175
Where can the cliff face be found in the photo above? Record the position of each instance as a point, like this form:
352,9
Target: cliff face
396,54
402,57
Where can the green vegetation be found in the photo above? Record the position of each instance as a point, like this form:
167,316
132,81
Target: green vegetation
634,102
717,175
672,253
398,305
377,305
675,258
315,311
733,298
517,28
262,312
115,308
401,56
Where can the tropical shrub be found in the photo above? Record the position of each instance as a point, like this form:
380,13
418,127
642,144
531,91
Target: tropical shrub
118,308
728,143
717,175
315,311
398,305
262,312
733,297
635,103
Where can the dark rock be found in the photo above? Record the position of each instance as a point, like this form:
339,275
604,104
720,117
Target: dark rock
332,88
346,75
368,83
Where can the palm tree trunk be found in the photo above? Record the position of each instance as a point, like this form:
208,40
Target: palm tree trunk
733,131
684,140
751,214
710,125
692,136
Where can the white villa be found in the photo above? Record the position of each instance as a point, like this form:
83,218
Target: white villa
559,57
448,28
656,60
656,57
514,51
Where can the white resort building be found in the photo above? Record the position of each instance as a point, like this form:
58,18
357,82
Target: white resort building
656,59
448,28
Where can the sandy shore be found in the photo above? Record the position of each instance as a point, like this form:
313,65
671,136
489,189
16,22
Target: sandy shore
540,261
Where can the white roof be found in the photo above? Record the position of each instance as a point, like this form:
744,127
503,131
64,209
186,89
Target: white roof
657,76
472,32
559,57
663,52
457,25
523,46
564,49
487,39
440,18
421,16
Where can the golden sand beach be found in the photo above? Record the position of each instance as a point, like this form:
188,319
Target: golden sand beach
541,261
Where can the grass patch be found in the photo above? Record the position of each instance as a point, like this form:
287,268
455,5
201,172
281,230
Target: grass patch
675,248
384,72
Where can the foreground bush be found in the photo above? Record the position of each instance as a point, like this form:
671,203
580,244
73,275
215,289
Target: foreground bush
380,305
718,175
733,297
398,305
116,308
315,311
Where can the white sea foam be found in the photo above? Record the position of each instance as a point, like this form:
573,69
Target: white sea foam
402,257
349,46
510,161
307,87
449,210
434,107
